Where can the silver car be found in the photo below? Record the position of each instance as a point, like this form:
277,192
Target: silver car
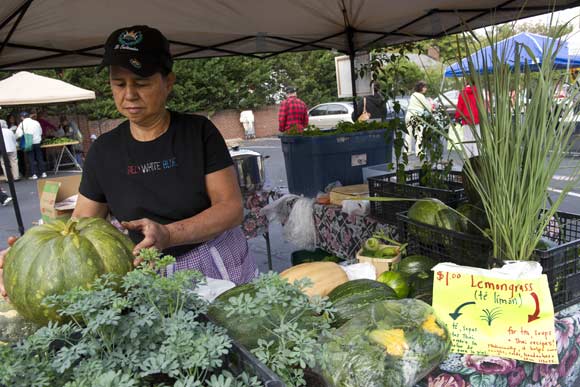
327,115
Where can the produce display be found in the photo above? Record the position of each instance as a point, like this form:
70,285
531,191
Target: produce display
150,334
324,277
53,258
57,140
392,343
277,322
351,297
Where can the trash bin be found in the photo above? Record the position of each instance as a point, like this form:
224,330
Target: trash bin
313,162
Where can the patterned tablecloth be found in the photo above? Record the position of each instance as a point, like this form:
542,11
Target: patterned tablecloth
342,234
255,224
490,371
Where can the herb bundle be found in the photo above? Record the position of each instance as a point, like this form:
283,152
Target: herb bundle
147,334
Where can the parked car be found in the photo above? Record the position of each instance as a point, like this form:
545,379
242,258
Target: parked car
327,115
449,101
403,104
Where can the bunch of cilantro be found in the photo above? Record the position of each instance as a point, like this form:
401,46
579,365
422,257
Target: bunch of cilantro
142,330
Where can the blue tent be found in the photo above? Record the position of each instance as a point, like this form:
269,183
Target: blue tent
506,50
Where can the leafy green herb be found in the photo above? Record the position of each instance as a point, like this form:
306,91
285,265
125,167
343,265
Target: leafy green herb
287,323
147,334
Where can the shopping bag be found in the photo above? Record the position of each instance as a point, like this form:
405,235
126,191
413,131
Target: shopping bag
365,116
26,145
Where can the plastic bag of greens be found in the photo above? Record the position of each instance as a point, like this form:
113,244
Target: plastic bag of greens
392,343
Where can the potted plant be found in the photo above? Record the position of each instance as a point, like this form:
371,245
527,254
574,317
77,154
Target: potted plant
522,142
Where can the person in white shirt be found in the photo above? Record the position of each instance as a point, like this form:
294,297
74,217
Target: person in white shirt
10,144
418,105
31,127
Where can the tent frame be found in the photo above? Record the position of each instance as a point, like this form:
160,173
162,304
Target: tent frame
349,33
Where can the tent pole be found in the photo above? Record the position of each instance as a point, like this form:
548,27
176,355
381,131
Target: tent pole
351,53
10,178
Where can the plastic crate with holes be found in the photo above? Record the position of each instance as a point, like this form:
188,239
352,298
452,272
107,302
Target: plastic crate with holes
387,186
560,262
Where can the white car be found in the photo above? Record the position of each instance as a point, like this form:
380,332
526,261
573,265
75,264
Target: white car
327,115
449,101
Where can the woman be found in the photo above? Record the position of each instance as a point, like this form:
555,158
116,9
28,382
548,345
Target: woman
166,176
418,105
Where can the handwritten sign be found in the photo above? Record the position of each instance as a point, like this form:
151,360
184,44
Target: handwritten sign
497,317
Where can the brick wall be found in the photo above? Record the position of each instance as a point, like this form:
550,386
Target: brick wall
227,121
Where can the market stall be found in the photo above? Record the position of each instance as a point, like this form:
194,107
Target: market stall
64,151
26,89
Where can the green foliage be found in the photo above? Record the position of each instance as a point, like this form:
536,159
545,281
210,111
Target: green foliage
288,324
519,157
150,334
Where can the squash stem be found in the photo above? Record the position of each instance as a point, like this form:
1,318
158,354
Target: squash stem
70,227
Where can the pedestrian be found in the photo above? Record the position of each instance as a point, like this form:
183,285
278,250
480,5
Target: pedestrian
293,113
5,199
247,120
167,176
467,114
31,132
418,107
11,152
375,105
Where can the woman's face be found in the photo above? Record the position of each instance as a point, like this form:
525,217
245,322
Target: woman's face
140,99
424,89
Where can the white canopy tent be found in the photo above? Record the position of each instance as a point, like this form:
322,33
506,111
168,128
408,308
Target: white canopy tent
70,33
25,88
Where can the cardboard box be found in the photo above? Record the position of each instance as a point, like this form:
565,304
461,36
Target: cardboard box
51,191
338,194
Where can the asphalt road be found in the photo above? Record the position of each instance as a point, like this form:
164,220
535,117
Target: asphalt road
275,177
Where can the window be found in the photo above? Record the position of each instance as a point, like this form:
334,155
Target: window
337,109
319,111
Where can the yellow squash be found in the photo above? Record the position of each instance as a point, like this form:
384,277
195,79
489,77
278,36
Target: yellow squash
325,276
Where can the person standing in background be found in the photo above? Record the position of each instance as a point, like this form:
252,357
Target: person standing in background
32,128
375,105
418,105
293,112
247,120
468,115
10,144
48,129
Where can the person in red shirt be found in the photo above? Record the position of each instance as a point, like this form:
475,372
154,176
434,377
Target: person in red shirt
468,115
293,112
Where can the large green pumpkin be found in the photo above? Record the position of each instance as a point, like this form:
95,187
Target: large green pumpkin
54,258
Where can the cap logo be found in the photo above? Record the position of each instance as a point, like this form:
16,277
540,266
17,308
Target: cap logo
130,38
135,63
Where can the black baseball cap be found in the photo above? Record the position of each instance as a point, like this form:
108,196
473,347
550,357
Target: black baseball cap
141,49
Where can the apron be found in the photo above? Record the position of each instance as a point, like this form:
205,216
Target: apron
224,257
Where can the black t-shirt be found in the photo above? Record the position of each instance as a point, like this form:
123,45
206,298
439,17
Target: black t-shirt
162,179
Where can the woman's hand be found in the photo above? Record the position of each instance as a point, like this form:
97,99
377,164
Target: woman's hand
154,235
3,254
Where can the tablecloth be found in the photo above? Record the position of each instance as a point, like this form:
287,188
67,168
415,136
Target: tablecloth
342,234
491,371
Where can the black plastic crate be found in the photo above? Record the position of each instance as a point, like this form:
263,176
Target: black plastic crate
239,359
387,186
444,245
561,264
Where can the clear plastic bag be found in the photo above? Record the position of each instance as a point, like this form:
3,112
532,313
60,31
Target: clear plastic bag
356,207
392,343
299,228
278,210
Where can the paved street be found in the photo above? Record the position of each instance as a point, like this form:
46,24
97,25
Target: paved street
275,176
